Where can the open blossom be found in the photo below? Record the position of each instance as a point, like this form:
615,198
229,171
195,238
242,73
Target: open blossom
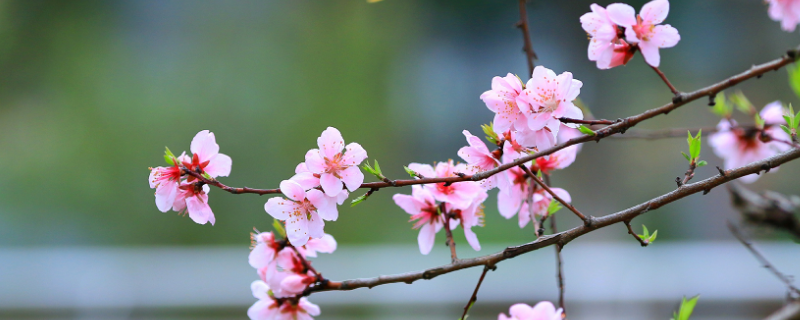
459,194
470,217
166,181
336,164
267,308
644,29
541,311
605,46
309,180
195,201
785,11
502,100
739,146
423,209
264,250
479,158
206,156
514,198
546,98
303,211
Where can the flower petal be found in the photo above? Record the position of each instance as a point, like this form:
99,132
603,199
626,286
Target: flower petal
654,12
354,155
199,210
281,208
665,36
650,52
352,177
330,184
426,237
204,145
330,142
326,206
219,166
293,190
621,14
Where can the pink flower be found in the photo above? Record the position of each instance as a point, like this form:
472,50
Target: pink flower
206,156
514,198
643,30
479,158
423,208
335,165
309,180
502,100
459,194
541,311
303,212
267,308
541,201
326,244
166,181
546,98
291,276
739,146
195,200
264,251
470,217
785,11
605,47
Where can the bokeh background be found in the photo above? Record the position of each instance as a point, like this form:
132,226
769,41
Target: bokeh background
92,91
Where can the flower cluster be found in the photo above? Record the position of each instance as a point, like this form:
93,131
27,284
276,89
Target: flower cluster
181,192
617,32
285,273
739,146
333,168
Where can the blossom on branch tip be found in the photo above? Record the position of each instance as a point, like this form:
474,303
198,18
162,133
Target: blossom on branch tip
303,211
740,146
785,11
268,308
644,30
206,157
336,164
544,310
546,98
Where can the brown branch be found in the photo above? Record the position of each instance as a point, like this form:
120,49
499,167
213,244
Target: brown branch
475,293
618,127
688,175
559,269
555,196
763,260
564,237
530,55
450,242
669,84
586,122
643,242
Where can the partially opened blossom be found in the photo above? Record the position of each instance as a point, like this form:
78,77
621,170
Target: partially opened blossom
206,156
264,250
644,30
194,200
336,164
785,11
605,46
459,194
425,212
544,310
502,100
166,181
546,98
740,146
268,308
470,217
303,211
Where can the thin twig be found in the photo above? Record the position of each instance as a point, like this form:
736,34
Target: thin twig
450,242
669,84
565,237
763,260
559,269
688,175
475,293
643,242
530,55
610,130
554,195
586,122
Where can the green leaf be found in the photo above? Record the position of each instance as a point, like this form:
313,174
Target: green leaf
789,120
278,226
653,237
207,176
794,78
786,129
491,136
553,207
169,157
742,103
686,156
539,174
378,168
586,130
687,307
646,233
358,200
410,172
702,163
759,121
721,107
694,145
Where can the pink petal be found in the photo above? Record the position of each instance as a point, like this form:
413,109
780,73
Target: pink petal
293,284
326,206
407,203
281,208
260,256
262,310
309,307
545,309
330,142
330,184
354,155
472,239
563,194
301,167
293,190
773,113
573,112
352,177
314,162
427,235
219,166
166,193
260,289
574,90
524,215
508,203
650,52
315,225
297,228
537,121
522,311
597,24
654,12
199,210
665,36
325,244
204,145
307,180
342,197
425,170
621,14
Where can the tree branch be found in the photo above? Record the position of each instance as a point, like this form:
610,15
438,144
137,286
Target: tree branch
554,195
475,293
763,260
530,55
559,269
643,242
669,84
562,238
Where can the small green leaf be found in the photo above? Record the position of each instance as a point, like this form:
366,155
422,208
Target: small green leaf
702,163
794,78
378,168
358,200
786,129
789,120
742,103
721,107
278,226
207,176
653,237
539,174
410,172
491,136
553,207
687,307
694,145
646,233
368,169
686,156
169,157
586,130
